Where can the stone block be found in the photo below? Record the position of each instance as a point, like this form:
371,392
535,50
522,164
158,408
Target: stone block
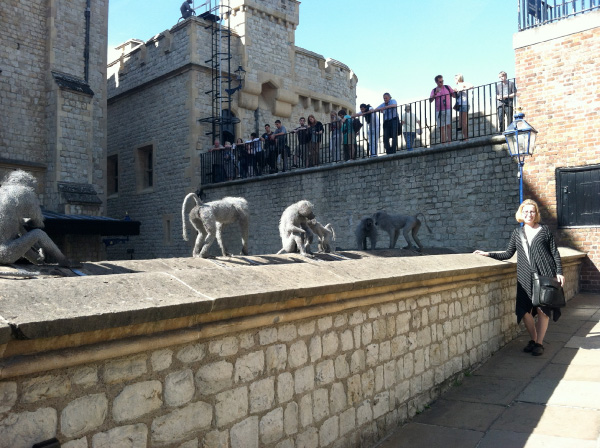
83,415
246,340
389,308
131,436
271,426
85,377
330,343
372,355
262,395
138,399
403,323
231,406
216,439
328,433
287,443
125,369
367,381
347,340
308,439
245,434
285,387
191,444
249,366
192,353
290,418
306,328
179,387
181,424
367,333
277,357
378,378
161,359
356,318
389,374
357,361
8,396
224,347
324,372
381,404
320,404
77,443
287,333
298,354
304,379
340,320
267,336
354,390
215,377
379,329
315,349
27,428
337,398
385,351
342,368
306,410
364,414
347,421
43,387
325,323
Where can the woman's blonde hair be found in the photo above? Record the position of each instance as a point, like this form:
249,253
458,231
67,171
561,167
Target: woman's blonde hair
460,77
519,214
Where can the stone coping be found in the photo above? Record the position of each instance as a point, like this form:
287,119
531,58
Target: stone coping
143,292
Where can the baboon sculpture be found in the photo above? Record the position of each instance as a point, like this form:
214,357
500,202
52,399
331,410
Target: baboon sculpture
19,206
295,233
209,219
326,235
366,229
393,224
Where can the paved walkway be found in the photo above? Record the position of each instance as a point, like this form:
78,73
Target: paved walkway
516,400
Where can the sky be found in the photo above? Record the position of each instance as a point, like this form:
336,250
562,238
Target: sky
395,46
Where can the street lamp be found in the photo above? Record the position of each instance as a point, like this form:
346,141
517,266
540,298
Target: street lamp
240,75
520,138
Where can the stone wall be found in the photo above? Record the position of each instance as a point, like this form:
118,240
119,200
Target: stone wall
339,363
559,80
467,192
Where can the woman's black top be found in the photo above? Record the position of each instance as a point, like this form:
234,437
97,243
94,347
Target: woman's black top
544,255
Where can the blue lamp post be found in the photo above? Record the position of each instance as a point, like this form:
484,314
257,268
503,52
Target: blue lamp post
520,137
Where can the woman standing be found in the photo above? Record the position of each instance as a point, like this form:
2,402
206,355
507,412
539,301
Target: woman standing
539,250
462,100
315,130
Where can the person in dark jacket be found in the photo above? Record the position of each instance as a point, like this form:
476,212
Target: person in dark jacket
540,251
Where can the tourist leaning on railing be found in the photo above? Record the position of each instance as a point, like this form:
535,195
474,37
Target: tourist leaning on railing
462,103
442,94
371,120
390,123
348,137
505,94
315,135
411,126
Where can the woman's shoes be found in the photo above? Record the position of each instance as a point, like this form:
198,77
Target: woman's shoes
529,347
538,349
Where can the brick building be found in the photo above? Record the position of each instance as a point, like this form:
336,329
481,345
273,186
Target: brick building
558,73
53,120
157,99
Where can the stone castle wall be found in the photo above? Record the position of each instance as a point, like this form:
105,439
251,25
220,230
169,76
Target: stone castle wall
559,80
467,192
363,348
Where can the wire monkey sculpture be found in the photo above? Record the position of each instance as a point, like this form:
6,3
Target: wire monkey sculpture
19,205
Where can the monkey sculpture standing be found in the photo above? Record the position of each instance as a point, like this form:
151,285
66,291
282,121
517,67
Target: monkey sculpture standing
209,218
19,205
293,228
366,229
393,224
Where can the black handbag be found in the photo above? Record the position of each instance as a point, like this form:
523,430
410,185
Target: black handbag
546,291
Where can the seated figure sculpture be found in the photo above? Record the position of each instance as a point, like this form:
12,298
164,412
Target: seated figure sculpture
19,206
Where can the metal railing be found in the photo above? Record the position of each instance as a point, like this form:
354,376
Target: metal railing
534,13
484,110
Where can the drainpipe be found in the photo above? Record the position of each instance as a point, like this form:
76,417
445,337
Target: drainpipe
86,50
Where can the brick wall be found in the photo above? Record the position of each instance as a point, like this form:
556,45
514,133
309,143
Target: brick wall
558,75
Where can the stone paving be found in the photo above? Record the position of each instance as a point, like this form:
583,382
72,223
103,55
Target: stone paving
516,400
